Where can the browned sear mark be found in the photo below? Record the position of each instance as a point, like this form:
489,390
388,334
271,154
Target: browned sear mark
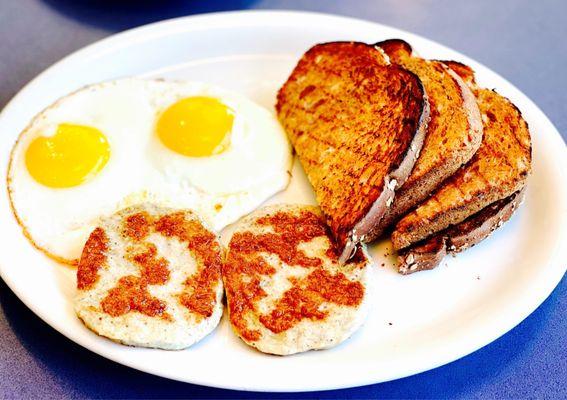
304,299
289,232
131,294
244,293
154,269
93,258
137,226
245,268
199,295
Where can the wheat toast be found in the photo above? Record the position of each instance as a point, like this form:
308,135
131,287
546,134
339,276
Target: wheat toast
357,124
498,169
453,135
429,253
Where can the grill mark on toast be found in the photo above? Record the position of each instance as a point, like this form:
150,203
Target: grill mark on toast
337,147
485,180
500,168
456,127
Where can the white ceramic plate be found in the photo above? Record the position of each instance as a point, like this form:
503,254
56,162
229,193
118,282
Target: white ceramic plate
419,322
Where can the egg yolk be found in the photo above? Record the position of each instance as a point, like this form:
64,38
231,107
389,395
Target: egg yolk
195,126
72,155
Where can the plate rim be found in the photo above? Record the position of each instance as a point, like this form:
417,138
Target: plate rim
165,28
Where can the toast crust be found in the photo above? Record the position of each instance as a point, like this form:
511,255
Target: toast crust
498,169
453,135
357,125
429,253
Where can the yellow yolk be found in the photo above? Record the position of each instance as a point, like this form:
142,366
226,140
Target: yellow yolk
69,157
195,126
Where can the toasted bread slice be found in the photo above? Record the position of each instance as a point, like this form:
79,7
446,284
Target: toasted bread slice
453,135
429,253
285,289
357,125
150,276
498,169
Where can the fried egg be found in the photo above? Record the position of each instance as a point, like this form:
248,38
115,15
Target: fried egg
185,145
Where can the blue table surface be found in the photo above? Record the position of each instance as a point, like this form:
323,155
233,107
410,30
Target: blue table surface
523,40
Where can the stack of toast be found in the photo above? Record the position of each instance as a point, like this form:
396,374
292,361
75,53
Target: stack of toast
394,143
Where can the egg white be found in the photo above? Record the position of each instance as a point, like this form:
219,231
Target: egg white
221,188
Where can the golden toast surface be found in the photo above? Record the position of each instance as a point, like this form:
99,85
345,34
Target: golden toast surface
351,118
453,135
498,169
